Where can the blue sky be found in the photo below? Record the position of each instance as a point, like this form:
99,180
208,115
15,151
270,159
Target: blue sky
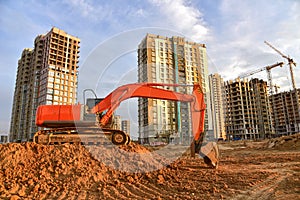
234,32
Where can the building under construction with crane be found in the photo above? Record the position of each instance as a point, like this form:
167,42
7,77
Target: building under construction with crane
285,105
253,112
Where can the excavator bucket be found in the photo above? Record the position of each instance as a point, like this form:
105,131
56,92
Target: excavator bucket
208,151
210,154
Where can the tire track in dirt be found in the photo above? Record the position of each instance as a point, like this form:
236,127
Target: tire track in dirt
113,193
131,194
160,191
138,191
146,188
263,190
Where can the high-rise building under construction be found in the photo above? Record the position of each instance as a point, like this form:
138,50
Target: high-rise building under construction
286,112
247,109
47,74
169,60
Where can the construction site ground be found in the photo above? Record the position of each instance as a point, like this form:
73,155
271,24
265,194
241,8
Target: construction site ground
268,169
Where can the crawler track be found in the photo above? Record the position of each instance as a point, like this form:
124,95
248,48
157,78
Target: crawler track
82,135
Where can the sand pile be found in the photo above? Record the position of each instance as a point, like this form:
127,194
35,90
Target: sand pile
36,171
291,142
70,171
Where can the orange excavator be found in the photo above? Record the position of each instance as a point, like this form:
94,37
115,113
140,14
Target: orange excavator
89,123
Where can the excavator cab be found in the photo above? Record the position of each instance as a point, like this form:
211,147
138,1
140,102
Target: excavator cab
90,116
90,103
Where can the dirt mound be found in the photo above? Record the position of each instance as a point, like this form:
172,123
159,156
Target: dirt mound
71,171
291,142
134,147
37,171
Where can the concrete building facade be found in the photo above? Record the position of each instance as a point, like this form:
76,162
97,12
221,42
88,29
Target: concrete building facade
125,126
3,139
286,112
47,74
216,85
247,109
116,122
169,60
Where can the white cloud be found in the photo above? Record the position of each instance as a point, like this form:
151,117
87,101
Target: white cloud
183,18
83,6
238,38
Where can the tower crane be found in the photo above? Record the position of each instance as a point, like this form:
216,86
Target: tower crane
268,69
290,61
276,88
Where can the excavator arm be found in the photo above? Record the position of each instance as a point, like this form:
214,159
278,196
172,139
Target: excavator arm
209,151
149,90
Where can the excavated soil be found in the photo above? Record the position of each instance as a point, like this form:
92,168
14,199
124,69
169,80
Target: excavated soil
267,169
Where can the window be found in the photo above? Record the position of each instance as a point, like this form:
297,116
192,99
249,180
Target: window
51,73
49,97
50,91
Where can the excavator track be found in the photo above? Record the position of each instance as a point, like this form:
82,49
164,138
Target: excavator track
82,135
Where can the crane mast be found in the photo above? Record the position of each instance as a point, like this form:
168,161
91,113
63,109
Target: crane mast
290,62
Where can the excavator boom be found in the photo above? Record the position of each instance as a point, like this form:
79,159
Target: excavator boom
150,90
